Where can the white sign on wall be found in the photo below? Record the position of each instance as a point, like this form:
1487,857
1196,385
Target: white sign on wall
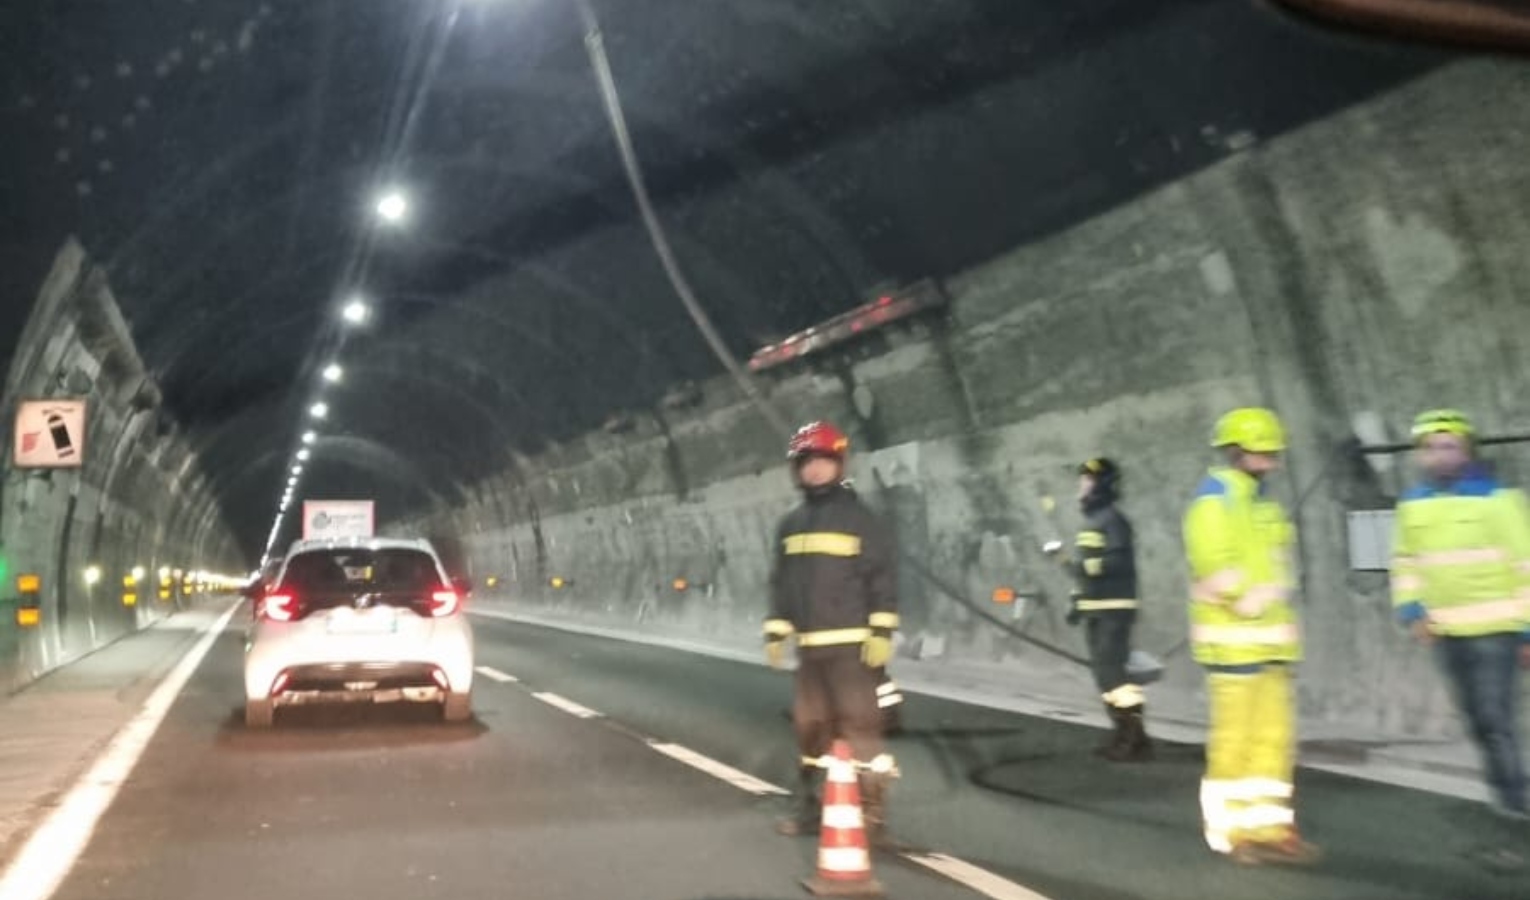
1370,539
50,434
337,519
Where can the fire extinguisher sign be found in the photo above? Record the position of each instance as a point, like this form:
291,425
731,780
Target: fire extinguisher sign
50,434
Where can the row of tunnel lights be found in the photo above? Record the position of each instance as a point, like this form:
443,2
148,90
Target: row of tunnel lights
392,209
29,587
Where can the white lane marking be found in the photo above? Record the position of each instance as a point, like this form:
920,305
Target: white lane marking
497,675
49,855
741,780
980,880
562,703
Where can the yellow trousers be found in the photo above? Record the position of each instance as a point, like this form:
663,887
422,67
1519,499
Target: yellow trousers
1250,757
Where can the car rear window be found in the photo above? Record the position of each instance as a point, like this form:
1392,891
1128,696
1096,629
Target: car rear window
361,570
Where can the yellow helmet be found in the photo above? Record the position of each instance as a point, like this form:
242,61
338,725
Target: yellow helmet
1442,421
1251,428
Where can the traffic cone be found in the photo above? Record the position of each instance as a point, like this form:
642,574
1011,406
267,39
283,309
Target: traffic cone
844,862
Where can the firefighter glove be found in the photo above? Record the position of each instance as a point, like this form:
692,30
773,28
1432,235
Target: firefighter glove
775,652
877,650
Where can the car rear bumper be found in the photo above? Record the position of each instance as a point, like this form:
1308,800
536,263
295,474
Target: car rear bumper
309,670
360,682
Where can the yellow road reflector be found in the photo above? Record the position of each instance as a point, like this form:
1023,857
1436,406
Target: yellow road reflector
29,584
28,616
1004,595
129,599
557,582
681,584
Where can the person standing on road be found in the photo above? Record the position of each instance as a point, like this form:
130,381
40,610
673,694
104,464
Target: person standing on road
833,587
1461,583
1106,601
1243,630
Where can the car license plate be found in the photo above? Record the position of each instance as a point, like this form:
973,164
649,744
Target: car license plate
372,621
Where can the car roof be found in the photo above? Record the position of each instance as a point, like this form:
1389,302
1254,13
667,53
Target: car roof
369,543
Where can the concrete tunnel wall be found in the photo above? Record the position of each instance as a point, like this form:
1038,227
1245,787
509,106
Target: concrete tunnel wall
1357,270
138,500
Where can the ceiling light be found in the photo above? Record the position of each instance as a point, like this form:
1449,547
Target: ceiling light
355,311
309,437
304,454
319,410
392,207
332,373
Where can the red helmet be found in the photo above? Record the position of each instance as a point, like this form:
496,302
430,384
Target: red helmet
818,439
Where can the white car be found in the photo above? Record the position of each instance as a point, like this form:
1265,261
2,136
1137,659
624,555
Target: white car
369,619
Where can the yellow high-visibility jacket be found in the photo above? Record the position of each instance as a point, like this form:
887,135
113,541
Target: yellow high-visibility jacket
1461,558
1239,544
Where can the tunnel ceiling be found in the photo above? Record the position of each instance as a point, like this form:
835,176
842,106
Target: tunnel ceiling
222,157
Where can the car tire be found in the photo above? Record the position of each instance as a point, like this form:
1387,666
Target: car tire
259,713
458,707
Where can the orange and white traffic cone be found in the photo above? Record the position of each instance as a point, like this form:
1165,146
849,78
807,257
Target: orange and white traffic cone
844,862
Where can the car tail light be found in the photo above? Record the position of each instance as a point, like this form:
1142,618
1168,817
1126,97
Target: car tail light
444,603
279,607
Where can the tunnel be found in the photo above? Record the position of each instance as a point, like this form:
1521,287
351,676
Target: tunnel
550,284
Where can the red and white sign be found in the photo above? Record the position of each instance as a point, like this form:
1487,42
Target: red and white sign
50,434
338,519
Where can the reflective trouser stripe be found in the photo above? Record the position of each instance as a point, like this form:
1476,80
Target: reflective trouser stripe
1127,696
833,637
1265,815
1097,605
1216,819
888,694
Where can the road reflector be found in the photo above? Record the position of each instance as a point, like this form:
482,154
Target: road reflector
129,599
1004,595
681,584
29,584
28,616
557,582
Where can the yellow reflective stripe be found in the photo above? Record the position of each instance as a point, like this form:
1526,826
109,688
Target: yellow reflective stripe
823,543
1094,566
1463,557
833,637
778,628
1480,613
1127,696
1244,634
1215,587
1091,539
1093,605
883,620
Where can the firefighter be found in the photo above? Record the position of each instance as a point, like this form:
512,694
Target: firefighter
833,588
1244,631
1106,601
1461,583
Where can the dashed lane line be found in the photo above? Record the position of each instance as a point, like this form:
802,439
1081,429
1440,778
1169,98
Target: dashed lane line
496,675
567,705
968,875
741,780
960,871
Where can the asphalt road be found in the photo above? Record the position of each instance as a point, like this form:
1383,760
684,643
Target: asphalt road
532,801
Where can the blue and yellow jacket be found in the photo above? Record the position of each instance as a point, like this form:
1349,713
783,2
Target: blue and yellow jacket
1461,557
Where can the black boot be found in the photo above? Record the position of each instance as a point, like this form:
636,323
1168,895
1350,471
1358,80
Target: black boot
1134,746
1115,738
807,806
